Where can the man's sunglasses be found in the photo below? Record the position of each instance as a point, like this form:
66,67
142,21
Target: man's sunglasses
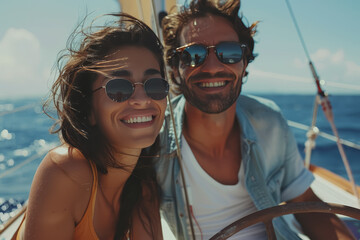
194,54
120,90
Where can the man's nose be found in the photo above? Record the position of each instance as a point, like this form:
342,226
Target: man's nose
212,63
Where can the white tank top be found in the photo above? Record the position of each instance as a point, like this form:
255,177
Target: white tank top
215,205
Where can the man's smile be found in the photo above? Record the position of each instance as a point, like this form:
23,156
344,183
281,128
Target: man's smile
212,84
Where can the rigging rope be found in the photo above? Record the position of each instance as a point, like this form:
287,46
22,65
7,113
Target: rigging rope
323,100
298,29
178,149
18,109
30,159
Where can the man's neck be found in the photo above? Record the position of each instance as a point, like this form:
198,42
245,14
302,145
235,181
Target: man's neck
211,131
215,142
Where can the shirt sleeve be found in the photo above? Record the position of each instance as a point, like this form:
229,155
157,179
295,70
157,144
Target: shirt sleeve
297,178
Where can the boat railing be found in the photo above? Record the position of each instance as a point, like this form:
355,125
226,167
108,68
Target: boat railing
324,134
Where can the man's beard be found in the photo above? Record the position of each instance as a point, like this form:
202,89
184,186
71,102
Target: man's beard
212,103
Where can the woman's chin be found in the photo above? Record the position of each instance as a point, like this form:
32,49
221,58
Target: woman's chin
139,143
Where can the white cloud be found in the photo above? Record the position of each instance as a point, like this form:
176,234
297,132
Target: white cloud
338,57
279,76
321,54
352,69
19,55
287,83
20,64
298,63
322,58
333,65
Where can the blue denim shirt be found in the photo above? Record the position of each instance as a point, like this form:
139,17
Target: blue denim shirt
274,170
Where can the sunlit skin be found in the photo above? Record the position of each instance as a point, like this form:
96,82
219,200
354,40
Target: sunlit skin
116,119
217,150
61,188
209,31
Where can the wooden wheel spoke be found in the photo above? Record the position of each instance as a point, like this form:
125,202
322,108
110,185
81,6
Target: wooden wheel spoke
267,215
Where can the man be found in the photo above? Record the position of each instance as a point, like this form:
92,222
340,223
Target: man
238,154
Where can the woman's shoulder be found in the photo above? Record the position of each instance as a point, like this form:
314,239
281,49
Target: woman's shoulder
64,178
60,190
68,162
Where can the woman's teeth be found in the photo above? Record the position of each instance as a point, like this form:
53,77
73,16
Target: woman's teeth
139,119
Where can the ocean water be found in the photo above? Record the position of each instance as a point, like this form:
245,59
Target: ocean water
346,112
25,138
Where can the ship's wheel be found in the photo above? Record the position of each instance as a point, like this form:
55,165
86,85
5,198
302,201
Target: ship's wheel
266,216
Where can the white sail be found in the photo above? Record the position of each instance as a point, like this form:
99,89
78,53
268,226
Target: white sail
145,9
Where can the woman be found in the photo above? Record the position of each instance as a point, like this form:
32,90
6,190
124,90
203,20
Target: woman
110,98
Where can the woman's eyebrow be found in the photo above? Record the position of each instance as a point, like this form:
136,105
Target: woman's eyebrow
121,73
151,71
126,73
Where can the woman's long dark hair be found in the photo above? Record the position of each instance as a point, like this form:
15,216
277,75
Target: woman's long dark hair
79,66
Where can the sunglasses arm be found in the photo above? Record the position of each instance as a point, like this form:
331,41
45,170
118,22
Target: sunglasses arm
98,89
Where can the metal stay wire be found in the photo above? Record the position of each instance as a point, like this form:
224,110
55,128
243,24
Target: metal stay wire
18,109
324,135
321,98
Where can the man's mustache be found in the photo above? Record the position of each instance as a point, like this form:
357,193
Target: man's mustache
206,75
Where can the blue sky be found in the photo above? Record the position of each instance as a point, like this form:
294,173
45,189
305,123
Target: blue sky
32,32
329,29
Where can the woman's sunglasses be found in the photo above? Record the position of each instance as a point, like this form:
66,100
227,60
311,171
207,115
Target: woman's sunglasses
194,54
120,90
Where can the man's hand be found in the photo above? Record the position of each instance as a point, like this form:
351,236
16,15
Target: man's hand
320,225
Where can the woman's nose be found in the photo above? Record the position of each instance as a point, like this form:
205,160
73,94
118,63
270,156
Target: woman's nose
139,97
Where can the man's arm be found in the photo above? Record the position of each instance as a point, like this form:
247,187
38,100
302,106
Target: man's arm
320,225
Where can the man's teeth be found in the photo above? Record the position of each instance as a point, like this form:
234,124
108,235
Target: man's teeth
212,84
139,119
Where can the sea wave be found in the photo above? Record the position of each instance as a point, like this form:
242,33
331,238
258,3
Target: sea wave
8,208
37,148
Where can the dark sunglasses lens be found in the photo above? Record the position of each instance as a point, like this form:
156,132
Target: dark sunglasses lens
193,55
229,52
156,88
119,90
